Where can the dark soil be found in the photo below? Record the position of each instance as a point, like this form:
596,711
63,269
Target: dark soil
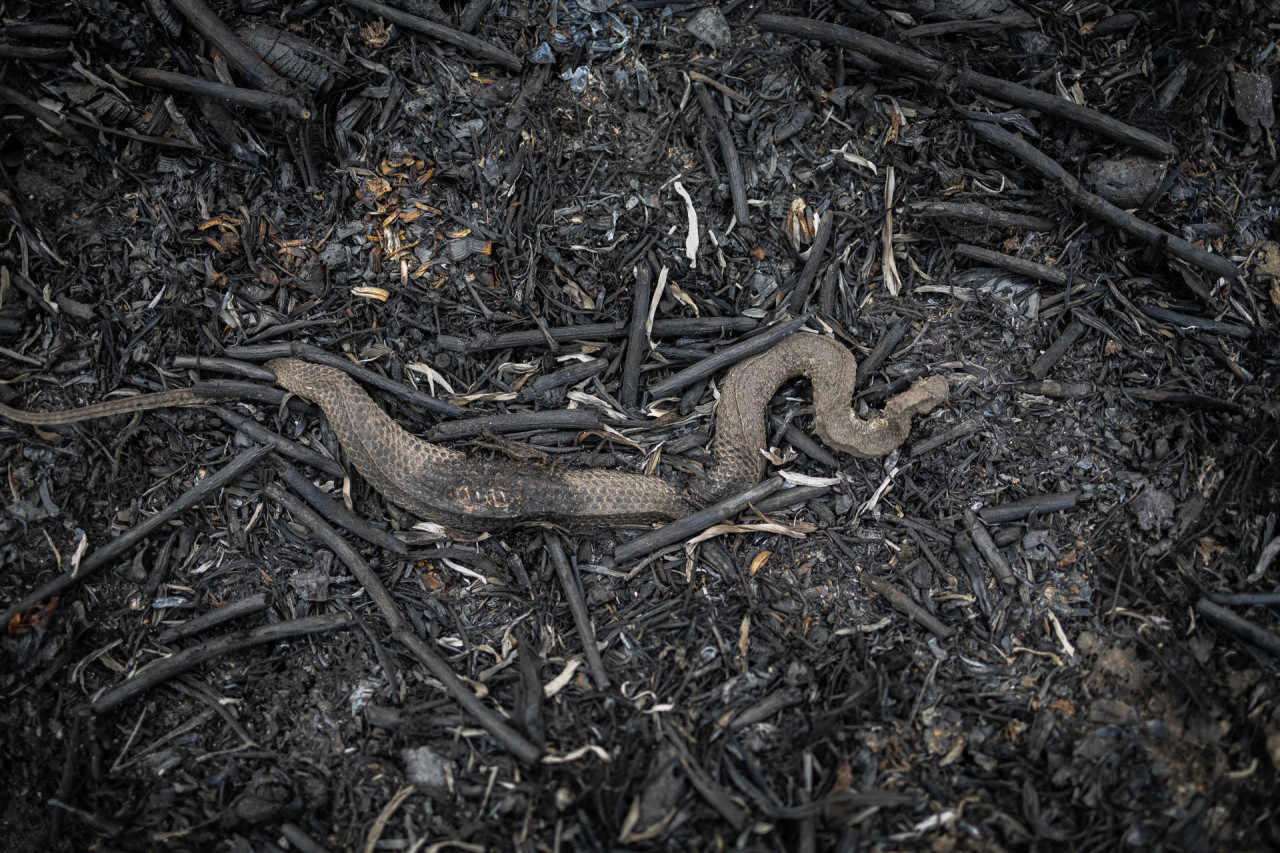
847,672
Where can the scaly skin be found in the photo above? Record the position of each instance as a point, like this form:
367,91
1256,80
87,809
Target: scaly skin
453,488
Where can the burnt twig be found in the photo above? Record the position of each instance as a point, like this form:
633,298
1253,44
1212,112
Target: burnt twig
691,525
253,99
732,165
578,607
725,357
1100,207
933,69
493,722
237,53
465,41
162,670
240,465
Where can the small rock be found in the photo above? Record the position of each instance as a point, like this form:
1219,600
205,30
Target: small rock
709,26
1154,510
1125,181
428,769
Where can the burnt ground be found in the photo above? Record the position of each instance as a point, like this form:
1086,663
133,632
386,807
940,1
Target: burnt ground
834,673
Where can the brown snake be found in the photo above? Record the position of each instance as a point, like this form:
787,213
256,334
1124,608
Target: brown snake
475,493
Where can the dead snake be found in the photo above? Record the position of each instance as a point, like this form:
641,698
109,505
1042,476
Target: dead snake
444,485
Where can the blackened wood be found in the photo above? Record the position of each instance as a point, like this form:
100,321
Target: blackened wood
242,464
336,512
637,340
987,547
402,631
1053,389
163,669
880,353
280,444
934,70
804,282
595,331
1020,509
572,590
726,357
576,419
972,565
465,41
1199,324
905,604
271,102
1238,625
1100,207
216,616
694,524
728,152
974,212
1042,365
1022,266
238,54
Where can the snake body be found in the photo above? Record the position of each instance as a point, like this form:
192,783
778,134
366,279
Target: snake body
472,493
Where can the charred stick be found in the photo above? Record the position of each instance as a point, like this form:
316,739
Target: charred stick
880,353
562,378
1053,389
787,498
827,291
800,290
464,41
595,331
165,668
32,53
1198,324
473,14
34,32
1042,365
1022,266
223,365
801,441
725,357
299,839
279,443
1177,398
43,114
1246,599
578,607
905,604
1100,207
242,464
1016,19
237,53
732,165
960,430
252,99
336,512
205,621
629,392
933,69
401,630
987,547
515,422
694,524
972,565
972,211
1238,625
1020,509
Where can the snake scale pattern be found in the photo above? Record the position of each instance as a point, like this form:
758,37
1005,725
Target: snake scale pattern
474,493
